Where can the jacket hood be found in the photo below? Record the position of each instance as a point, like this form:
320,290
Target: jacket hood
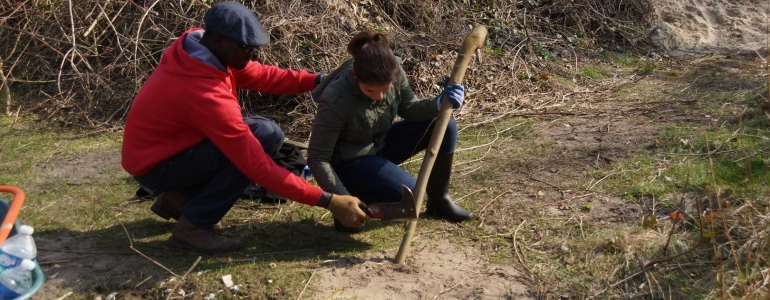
331,77
176,60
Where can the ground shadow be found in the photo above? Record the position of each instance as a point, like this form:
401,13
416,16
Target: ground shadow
100,262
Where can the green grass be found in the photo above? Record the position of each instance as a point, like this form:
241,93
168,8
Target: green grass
97,208
568,249
740,164
592,72
563,81
281,242
728,163
624,60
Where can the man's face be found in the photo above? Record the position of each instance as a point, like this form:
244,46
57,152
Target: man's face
231,53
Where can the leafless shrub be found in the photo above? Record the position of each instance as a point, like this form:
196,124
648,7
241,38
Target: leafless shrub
81,62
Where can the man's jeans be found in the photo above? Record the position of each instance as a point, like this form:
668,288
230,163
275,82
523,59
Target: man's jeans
378,178
203,173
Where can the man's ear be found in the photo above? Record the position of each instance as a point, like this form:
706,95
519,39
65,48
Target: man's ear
217,39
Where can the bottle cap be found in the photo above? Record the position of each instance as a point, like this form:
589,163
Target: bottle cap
26,229
28,264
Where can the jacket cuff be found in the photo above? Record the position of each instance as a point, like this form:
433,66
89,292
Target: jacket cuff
325,199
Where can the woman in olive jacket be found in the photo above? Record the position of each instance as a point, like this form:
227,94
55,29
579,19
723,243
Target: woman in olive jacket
355,147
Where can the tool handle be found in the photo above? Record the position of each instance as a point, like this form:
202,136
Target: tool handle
474,40
370,211
13,210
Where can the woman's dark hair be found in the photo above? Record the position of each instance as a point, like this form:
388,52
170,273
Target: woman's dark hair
373,60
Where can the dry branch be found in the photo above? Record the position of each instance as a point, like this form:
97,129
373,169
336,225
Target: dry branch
6,90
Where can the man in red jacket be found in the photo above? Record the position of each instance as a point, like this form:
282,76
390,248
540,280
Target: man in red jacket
186,140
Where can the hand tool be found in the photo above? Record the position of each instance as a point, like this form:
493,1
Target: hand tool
406,210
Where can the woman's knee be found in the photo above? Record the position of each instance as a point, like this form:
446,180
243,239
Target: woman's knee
374,179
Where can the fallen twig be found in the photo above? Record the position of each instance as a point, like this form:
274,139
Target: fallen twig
53,262
471,193
295,251
131,246
561,192
183,277
16,117
565,200
603,178
493,200
6,90
452,287
65,296
515,249
306,284
142,282
334,295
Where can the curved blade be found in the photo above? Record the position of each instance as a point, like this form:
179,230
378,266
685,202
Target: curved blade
405,210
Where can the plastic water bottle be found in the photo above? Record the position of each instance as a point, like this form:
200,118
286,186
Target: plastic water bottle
16,281
18,247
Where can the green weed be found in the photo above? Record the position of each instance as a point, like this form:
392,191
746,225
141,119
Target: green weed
591,73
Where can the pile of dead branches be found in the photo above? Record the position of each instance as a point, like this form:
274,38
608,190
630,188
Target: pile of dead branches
81,62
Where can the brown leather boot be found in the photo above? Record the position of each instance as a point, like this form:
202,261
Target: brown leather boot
188,236
169,206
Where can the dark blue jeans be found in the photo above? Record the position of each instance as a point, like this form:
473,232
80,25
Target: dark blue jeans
378,178
203,173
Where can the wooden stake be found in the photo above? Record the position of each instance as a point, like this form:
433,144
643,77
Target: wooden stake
473,41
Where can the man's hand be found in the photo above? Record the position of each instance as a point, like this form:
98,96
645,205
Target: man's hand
347,209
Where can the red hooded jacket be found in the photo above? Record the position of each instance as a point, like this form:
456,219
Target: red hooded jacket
185,101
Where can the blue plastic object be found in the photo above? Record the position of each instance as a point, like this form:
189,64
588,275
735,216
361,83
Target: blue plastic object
38,278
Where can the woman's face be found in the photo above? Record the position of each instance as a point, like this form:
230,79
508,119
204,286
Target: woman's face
375,92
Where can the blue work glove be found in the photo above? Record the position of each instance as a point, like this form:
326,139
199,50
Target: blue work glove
455,93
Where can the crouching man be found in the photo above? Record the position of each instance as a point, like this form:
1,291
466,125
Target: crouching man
186,139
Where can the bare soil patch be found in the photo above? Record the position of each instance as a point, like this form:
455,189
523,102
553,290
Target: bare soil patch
436,269
563,153
73,262
89,167
711,26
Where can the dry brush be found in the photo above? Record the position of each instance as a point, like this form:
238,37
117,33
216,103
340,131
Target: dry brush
81,62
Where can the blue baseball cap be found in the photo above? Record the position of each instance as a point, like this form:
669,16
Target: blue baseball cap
237,22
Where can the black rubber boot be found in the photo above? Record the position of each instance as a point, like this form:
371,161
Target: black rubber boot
439,203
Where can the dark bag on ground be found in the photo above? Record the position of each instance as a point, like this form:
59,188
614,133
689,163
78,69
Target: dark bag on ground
290,158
